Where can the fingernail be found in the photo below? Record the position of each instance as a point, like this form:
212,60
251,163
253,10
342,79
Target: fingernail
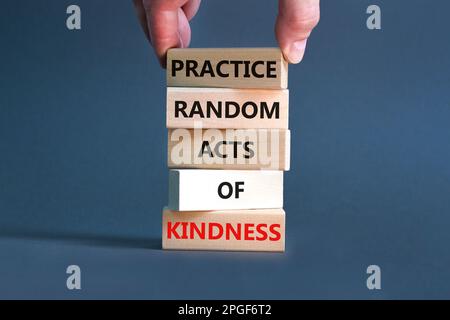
296,51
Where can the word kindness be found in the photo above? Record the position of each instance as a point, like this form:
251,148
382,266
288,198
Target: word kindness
260,230
226,231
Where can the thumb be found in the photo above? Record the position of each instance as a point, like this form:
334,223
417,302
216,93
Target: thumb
295,22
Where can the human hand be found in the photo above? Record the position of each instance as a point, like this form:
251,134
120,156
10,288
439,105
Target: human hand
166,24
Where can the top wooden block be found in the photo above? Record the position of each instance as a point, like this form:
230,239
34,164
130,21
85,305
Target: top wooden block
227,68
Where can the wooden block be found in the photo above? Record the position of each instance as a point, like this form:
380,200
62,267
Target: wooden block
227,108
227,68
198,189
234,230
245,149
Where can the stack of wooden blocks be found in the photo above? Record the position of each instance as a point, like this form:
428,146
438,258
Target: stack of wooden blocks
228,145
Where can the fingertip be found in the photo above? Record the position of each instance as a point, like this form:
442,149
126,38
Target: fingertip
295,52
162,52
190,8
295,22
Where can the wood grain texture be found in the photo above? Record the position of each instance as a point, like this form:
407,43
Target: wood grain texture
233,230
227,68
199,189
244,149
227,108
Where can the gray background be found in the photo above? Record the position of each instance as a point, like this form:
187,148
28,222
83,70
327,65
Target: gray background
83,172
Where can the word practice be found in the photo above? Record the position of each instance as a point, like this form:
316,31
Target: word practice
227,68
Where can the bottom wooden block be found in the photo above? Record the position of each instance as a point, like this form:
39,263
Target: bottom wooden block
234,230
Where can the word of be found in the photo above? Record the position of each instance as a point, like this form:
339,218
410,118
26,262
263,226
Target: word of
198,189
229,188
